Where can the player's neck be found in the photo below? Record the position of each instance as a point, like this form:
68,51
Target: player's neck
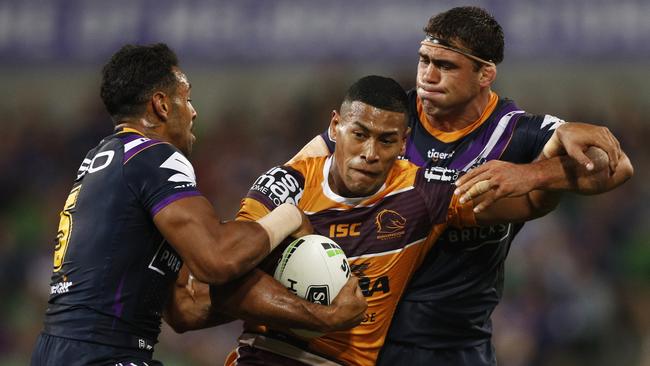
144,127
455,119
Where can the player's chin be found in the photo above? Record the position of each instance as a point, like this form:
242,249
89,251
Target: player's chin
366,188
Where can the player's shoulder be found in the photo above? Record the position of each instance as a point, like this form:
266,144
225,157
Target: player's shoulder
310,168
141,149
506,106
146,159
404,167
402,175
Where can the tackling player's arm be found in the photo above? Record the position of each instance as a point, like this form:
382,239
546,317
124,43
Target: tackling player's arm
535,203
212,249
544,178
258,298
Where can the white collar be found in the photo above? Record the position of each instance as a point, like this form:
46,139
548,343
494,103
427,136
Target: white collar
329,193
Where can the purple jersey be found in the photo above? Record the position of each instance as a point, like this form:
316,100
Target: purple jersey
113,270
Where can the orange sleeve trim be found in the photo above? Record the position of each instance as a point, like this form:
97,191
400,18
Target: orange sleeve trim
251,210
455,135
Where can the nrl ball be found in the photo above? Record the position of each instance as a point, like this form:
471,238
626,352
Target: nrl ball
315,268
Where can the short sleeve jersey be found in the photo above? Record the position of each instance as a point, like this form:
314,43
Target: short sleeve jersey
385,236
113,270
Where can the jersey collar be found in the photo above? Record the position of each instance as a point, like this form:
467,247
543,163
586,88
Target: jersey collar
455,135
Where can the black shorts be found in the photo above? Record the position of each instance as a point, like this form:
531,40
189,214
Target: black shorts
53,350
393,353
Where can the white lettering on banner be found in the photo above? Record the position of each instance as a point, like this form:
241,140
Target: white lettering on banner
44,31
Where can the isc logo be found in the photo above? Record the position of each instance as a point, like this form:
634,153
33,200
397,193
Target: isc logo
343,230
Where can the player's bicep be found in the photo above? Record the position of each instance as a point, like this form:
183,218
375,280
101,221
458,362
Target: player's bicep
188,224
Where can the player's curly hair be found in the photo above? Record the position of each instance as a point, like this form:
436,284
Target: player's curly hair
380,92
133,74
471,27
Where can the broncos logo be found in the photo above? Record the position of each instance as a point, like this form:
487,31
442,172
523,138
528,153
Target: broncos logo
389,221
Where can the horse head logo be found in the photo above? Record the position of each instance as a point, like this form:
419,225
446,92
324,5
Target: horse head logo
389,221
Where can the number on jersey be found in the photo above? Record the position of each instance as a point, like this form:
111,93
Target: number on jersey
65,228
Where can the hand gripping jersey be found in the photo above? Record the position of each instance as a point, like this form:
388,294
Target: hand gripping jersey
385,237
449,301
112,268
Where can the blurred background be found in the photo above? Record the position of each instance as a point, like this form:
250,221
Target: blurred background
266,76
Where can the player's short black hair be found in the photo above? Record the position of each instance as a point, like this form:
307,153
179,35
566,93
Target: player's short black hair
380,92
133,74
472,27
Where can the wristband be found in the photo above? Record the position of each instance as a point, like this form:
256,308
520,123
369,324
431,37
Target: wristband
279,223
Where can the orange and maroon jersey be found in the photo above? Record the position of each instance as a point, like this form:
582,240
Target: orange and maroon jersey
385,236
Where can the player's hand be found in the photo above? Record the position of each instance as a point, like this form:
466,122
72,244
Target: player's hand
348,308
305,227
574,138
501,178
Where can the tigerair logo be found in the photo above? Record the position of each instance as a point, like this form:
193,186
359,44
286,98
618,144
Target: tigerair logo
343,230
390,225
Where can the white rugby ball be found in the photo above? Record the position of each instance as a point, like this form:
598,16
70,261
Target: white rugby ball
315,268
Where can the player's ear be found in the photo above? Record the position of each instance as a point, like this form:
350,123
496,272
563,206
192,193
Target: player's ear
334,122
487,75
160,105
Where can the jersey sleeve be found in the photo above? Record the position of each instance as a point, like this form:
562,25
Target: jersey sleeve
278,185
158,174
441,203
529,137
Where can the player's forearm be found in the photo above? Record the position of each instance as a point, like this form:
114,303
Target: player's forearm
218,252
563,173
259,298
237,248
